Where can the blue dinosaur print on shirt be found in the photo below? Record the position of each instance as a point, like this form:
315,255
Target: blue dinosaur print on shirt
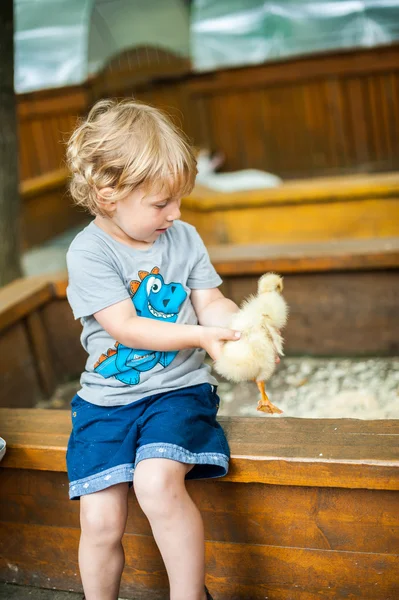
155,299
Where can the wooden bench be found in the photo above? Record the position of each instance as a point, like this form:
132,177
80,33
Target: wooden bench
237,260
309,509
303,210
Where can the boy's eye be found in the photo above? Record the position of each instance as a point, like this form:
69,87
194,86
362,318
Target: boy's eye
160,205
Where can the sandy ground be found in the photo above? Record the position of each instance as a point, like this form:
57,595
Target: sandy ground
323,388
305,387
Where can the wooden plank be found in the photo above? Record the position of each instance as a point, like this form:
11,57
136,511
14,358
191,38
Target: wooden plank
246,259
298,70
39,135
300,517
335,313
19,384
314,129
52,101
63,334
41,351
282,451
25,165
58,281
346,314
40,142
233,571
298,222
349,188
340,122
256,259
21,297
50,180
356,97
257,572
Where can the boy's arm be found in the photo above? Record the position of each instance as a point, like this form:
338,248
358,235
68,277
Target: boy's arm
120,320
212,308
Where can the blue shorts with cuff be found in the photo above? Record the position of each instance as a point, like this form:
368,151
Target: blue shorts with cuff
107,442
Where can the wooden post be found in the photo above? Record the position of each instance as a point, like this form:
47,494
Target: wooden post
10,265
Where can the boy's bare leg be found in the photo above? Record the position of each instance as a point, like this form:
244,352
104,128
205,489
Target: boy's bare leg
101,558
176,524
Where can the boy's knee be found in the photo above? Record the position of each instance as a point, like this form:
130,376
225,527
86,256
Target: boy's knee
103,522
158,483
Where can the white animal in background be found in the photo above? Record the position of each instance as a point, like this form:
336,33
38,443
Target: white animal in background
247,179
253,356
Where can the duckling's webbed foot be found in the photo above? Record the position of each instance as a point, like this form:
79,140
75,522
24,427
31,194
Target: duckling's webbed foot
264,404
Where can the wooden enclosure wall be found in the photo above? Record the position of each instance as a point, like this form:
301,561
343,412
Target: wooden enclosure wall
291,542
39,341
318,115
307,511
315,115
45,119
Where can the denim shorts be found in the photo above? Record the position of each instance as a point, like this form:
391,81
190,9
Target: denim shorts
107,443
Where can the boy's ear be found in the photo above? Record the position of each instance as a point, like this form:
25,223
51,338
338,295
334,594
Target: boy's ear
104,199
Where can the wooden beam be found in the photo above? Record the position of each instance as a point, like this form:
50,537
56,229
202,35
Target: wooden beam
345,453
21,297
331,255
239,571
297,69
348,188
25,295
41,351
53,180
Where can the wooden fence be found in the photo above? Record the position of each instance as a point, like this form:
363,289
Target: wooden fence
307,116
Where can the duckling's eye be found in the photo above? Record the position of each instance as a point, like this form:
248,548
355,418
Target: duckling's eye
153,285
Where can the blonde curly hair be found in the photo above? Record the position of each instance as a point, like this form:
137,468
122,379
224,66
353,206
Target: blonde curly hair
123,145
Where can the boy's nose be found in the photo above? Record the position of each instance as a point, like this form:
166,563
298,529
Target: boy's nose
175,214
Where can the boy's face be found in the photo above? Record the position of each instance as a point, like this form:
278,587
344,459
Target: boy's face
144,214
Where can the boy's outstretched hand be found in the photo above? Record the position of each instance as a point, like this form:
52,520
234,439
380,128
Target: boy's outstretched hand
212,338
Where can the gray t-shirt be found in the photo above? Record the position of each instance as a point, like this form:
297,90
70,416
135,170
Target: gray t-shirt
102,272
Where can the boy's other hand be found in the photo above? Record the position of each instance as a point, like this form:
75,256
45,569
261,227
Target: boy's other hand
213,338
